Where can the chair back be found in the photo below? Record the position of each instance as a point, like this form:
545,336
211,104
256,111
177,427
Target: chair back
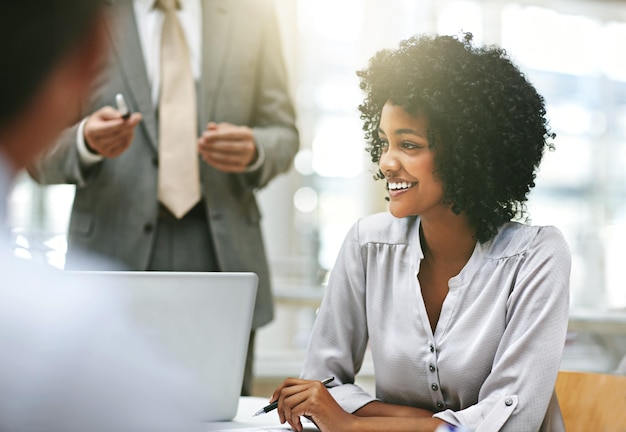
592,401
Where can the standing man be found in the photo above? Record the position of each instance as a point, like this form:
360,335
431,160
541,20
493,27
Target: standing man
171,188
64,365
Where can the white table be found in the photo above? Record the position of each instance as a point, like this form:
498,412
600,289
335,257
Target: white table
245,421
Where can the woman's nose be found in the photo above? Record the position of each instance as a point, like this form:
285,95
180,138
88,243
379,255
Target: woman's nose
388,161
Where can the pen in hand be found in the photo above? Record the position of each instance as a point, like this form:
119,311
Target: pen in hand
121,106
274,405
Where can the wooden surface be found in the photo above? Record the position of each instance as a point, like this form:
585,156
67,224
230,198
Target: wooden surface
592,402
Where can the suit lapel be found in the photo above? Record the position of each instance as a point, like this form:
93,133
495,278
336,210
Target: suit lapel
128,55
217,18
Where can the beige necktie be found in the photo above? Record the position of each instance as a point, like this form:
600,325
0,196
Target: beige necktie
179,176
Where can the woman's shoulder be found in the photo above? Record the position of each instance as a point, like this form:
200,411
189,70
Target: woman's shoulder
514,238
385,228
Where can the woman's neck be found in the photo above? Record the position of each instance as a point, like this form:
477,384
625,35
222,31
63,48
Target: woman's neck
447,239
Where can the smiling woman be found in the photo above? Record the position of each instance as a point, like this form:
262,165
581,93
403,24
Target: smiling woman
456,302
475,101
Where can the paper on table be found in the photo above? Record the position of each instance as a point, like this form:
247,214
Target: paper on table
245,422
267,429
257,429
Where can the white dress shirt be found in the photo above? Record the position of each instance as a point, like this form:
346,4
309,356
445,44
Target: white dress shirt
491,363
150,25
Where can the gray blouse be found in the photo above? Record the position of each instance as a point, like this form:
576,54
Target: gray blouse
493,359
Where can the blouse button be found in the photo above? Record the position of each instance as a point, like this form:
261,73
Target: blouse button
439,404
508,402
431,367
432,348
434,386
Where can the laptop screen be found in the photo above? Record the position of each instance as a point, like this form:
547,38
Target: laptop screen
200,321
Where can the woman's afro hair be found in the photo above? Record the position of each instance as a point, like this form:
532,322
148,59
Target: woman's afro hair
487,123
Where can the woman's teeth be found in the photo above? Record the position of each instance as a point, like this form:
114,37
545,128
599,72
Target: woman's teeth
400,185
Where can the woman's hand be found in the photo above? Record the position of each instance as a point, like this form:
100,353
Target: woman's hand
311,399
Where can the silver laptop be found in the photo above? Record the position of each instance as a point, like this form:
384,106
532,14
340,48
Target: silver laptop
202,320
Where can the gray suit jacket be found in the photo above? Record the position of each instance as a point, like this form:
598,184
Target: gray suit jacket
243,82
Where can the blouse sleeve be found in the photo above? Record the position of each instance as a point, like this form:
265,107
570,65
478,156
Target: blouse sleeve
339,337
518,391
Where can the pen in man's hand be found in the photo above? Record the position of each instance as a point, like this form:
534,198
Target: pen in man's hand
274,405
121,106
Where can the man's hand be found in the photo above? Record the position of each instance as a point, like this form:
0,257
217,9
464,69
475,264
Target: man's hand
108,134
228,147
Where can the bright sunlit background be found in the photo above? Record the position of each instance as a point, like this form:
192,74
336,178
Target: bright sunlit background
575,54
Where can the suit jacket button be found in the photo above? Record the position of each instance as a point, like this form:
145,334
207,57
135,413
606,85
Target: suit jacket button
147,228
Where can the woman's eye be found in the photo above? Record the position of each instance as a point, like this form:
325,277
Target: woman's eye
410,146
384,144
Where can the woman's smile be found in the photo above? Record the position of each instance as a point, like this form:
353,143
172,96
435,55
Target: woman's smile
398,187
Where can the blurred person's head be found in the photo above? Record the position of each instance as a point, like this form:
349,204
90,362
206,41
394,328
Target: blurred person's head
51,53
483,122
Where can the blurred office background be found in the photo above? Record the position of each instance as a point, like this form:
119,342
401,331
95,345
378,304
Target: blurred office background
574,51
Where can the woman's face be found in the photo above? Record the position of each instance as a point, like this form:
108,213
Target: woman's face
408,164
